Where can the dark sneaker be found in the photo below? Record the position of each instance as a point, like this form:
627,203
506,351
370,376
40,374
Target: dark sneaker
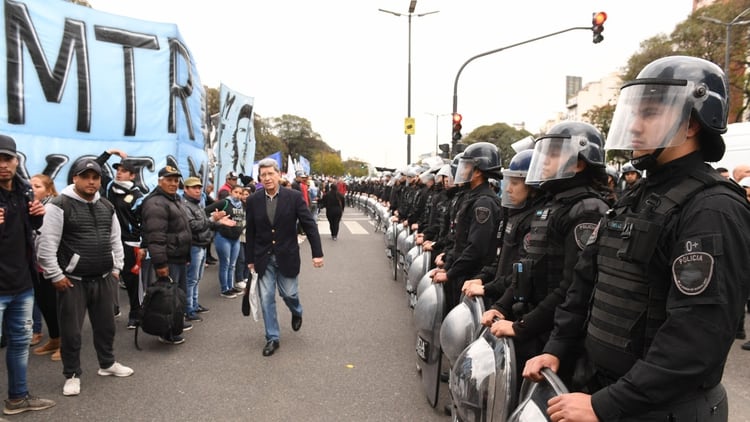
193,318
172,340
117,312
237,290
14,407
186,326
229,294
746,346
201,309
132,323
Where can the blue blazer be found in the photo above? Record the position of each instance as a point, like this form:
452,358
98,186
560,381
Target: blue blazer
279,237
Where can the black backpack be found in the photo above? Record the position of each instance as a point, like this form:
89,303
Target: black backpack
162,311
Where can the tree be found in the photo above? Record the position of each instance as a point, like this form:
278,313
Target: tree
501,135
328,163
356,168
266,142
212,100
600,117
296,132
695,37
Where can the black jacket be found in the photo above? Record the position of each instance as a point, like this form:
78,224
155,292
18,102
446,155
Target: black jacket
166,229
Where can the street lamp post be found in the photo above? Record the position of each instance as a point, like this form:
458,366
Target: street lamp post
412,6
437,118
728,25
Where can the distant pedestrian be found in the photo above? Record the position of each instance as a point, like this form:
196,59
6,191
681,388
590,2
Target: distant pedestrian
80,251
20,215
333,202
272,249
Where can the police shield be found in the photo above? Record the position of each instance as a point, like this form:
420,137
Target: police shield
534,396
417,270
428,316
483,380
461,326
424,283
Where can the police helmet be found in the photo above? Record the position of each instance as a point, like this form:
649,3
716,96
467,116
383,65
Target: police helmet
482,156
679,86
629,168
612,172
454,163
519,164
557,153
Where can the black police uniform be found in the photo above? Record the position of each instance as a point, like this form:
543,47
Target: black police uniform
558,231
668,269
476,226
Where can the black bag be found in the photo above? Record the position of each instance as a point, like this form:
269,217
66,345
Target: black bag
162,311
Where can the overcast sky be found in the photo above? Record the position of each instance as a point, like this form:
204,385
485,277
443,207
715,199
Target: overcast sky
342,64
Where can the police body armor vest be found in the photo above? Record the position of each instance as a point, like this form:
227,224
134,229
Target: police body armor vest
629,301
463,214
545,251
516,224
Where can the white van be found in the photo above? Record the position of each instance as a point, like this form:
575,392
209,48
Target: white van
737,140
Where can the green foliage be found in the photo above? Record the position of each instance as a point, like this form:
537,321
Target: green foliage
500,134
328,163
600,117
212,100
707,40
355,168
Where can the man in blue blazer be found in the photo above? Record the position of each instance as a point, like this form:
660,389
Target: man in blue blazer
272,249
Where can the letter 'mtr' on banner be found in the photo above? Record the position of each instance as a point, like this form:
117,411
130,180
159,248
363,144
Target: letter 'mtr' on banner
76,82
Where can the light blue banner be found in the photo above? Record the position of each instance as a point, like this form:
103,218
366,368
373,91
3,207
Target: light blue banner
77,82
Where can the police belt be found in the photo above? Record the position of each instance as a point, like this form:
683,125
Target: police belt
88,277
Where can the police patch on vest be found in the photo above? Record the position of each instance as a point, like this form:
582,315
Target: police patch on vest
692,272
527,242
594,234
482,214
583,232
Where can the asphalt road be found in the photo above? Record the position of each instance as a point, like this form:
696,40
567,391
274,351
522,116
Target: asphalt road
353,359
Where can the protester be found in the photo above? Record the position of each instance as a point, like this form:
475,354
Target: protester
227,240
167,236
80,251
45,296
230,181
333,202
201,228
20,215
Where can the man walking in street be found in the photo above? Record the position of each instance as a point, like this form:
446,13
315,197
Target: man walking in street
272,249
19,217
80,251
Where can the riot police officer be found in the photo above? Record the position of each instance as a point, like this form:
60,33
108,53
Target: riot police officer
476,221
663,280
521,201
630,176
568,163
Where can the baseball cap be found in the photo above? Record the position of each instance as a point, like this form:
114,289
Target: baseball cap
232,175
126,165
169,171
192,181
86,165
7,146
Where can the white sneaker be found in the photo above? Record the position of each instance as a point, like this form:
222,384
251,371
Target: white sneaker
241,284
72,386
117,370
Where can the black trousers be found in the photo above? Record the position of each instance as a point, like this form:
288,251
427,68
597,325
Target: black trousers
45,296
131,281
94,295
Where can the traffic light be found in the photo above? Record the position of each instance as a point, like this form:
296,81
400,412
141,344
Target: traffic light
445,150
597,26
456,127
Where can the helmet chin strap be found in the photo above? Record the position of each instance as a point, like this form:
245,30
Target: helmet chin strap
647,162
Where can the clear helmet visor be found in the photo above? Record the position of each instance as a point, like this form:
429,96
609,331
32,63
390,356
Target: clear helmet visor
515,192
651,115
554,158
464,171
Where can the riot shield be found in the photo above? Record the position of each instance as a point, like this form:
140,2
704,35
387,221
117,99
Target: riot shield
461,326
417,270
534,396
483,380
428,316
424,283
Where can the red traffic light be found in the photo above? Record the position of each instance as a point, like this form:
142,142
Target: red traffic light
457,118
599,18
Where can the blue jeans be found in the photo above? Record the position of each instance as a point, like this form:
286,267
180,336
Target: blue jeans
287,290
227,251
16,311
194,275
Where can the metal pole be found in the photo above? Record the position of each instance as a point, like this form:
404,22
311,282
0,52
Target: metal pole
408,97
726,53
497,50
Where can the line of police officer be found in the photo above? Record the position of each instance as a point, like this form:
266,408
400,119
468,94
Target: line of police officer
633,304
